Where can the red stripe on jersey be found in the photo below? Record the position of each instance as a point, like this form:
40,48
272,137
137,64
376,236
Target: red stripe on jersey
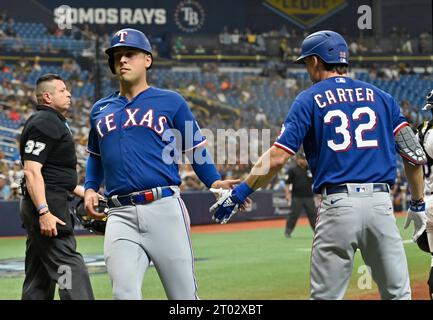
399,127
288,150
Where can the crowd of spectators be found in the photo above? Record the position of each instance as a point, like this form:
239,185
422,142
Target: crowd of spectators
17,101
285,42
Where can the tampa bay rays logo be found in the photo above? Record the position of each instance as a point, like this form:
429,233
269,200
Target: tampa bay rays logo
122,35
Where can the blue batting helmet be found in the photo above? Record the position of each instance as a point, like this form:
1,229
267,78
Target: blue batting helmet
128,38
328,45
429,101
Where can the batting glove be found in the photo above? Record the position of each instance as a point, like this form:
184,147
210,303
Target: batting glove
416,213
229,203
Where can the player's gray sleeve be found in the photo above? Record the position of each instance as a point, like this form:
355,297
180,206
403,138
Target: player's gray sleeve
409,146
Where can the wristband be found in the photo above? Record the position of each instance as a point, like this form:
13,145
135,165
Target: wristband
417,205
242,191
43,213
42,206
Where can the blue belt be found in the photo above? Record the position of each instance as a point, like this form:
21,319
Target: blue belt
377,187
141,197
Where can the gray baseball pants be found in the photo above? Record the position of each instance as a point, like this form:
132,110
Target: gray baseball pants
159,232
360,219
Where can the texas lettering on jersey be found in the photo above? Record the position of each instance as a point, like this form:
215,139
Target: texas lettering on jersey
131,138
133,118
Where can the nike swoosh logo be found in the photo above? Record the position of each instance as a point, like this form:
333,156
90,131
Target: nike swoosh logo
336,200
102,108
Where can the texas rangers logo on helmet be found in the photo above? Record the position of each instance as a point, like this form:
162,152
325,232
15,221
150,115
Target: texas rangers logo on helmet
122,34
343,57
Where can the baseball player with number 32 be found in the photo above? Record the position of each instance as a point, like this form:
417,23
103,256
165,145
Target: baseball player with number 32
147,219
350,131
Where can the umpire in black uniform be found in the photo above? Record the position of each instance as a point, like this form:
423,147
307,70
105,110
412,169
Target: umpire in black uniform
48,155
301,179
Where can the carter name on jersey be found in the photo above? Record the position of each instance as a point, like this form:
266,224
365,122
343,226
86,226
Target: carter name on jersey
340,95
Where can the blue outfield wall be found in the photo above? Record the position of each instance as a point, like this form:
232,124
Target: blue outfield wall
266,205
10,221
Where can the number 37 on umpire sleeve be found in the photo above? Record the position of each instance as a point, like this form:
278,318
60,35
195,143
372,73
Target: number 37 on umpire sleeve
34,147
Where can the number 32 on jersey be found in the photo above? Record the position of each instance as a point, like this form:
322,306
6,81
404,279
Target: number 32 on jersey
343,129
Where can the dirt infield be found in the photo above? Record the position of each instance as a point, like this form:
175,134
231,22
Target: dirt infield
251,225
241,226
419,292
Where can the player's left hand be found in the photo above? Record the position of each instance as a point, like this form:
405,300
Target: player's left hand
416,213
218,193
227,205
230,201
220,186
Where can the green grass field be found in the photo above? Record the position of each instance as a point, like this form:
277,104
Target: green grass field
258,264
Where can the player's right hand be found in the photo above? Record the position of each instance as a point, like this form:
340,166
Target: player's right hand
91,201
48,224
416,213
